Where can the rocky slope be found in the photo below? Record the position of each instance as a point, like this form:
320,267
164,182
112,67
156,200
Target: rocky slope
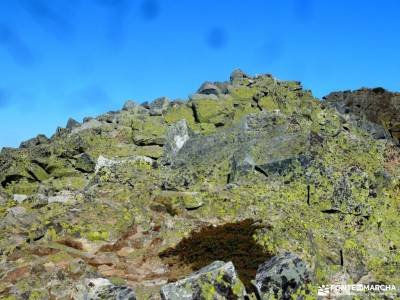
206,198
376,110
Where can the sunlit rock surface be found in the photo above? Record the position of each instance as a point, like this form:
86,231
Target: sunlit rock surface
106,198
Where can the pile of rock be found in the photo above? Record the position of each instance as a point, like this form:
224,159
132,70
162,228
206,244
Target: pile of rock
278,278
376,110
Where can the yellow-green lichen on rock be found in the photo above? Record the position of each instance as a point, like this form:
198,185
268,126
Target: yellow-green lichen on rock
111,194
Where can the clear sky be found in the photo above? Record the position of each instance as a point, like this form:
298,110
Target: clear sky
76,58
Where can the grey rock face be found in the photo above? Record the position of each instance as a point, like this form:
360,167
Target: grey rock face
281,276
158,106
262,143
143,140
238,74
39,140
17,211
343,199
85,163
375,110
101,288
3,198
87,119
72,123
177,135
198,96
208,88
90,124
215,281
377,131
130,105
242,163
62,197
19,198
17,216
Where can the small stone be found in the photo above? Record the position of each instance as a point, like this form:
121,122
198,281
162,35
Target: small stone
106,270
125,251
77,266
38,201
17,211
192,201
104,259
103,162
19,198
62,197
101,288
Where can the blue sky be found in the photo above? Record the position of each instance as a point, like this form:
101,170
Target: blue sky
77,58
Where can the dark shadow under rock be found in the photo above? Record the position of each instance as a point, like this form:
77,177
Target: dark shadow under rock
229,242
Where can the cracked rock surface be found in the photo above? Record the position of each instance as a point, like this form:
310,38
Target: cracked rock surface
232,180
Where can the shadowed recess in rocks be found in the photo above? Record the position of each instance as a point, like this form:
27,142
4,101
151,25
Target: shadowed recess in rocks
229,242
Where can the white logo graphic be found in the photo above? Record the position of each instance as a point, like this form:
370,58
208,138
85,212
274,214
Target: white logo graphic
323,290
355,289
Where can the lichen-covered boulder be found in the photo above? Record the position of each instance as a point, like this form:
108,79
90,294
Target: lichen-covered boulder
177,135
254,148
209,110
208,88
85,163
191,200
281,276
158,106
101,288
237,75
375,110
215,281
179,110
130,105
38,140
89,124
149,131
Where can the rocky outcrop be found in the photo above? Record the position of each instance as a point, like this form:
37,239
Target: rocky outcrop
375,110
216,281
72,123
281,277
158,106
39,140
130,105
84,163
241,171
244,149
177,135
